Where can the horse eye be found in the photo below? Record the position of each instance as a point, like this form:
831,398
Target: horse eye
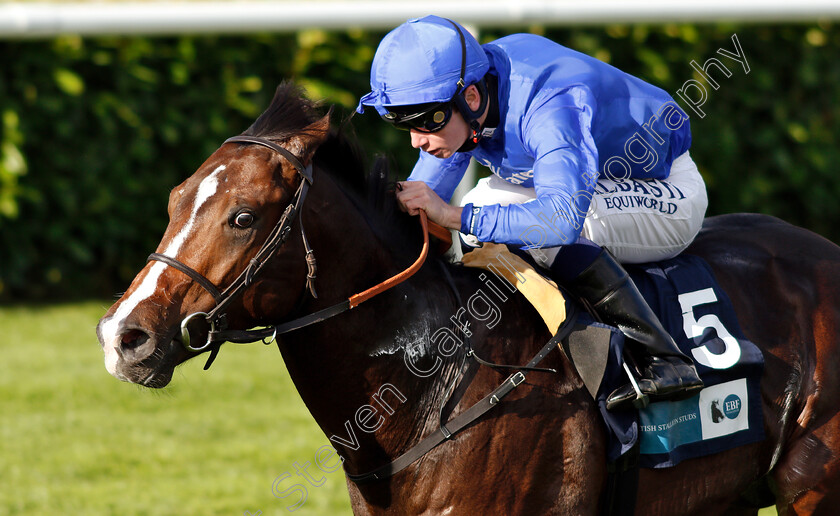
243,219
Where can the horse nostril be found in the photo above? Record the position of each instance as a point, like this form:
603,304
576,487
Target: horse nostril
135,345
133,339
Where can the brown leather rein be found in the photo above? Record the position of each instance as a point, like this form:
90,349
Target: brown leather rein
217,318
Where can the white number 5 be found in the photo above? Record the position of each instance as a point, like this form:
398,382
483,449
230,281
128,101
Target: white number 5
695,327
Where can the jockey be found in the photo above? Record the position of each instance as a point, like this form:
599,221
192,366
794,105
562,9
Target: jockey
590,168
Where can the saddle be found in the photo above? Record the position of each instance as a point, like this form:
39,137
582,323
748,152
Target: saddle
696,311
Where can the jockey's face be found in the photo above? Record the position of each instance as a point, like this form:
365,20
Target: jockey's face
443,143
446,141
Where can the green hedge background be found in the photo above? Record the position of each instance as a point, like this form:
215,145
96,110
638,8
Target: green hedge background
96,131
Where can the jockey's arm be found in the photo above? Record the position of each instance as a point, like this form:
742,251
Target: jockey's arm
557,134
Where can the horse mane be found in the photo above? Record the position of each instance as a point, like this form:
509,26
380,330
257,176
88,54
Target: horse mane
287,115
370,188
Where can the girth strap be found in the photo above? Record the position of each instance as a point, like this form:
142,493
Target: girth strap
461,421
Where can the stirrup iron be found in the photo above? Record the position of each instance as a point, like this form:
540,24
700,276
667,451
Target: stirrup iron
642,400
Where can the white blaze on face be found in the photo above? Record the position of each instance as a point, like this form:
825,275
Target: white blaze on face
149,285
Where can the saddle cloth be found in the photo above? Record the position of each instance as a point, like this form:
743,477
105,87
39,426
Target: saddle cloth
695,310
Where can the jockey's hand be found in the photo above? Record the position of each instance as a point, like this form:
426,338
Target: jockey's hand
416,195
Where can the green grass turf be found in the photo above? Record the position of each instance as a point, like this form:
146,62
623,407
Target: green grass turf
76,441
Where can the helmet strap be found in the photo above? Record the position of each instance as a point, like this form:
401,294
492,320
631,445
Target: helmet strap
471,116
473,139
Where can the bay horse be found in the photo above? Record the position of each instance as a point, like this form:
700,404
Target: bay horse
542,449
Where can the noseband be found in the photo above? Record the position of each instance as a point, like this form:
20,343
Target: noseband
217,318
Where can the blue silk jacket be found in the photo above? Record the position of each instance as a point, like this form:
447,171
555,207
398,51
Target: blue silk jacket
566,119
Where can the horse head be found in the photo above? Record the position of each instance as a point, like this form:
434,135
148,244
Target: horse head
219,219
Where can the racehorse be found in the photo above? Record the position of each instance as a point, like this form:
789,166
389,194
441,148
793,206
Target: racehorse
541,450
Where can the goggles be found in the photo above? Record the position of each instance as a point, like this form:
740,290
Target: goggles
426,118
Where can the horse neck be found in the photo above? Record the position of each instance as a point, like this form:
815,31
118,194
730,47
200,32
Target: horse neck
351,370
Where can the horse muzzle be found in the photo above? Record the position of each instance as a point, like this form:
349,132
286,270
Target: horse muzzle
136,355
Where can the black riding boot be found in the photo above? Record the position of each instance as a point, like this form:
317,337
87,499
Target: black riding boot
667,373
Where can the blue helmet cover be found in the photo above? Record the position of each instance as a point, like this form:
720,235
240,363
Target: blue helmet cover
420,62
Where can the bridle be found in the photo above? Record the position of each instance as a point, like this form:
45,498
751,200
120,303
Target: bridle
217,317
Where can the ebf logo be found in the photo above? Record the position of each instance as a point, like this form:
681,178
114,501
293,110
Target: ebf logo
729,408
732,406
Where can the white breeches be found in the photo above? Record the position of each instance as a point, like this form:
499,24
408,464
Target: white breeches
638,221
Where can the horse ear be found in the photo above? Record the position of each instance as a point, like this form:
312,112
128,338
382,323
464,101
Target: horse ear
307,142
